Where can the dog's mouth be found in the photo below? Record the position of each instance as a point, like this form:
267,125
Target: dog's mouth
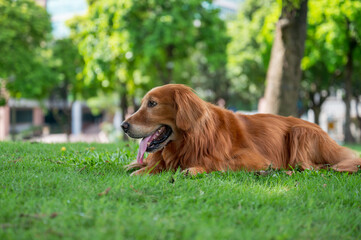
154,141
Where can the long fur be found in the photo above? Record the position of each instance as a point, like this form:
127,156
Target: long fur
209,138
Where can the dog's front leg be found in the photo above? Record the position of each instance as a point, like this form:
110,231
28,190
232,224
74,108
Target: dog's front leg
193,171
153,164
139,172
150,169
135,165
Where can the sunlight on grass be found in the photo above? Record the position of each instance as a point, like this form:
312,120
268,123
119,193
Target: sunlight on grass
84,192
276,190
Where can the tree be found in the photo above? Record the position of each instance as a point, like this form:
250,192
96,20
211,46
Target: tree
102,40
24,28
333,49
319,69
66,64
165,33
356,84
315,88
284,71
353,37
249,51
325,57
127,47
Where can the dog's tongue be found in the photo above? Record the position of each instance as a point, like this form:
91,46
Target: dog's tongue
142,148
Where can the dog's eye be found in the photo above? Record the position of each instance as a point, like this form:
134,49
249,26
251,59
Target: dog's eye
152,103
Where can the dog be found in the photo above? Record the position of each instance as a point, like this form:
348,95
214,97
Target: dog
180,130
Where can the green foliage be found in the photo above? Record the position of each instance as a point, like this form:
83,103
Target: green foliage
103,43
249,51
328,33
24,27
331,26
136,45
66,64
53,72
163,34
33,79
290,4
82,191
325,51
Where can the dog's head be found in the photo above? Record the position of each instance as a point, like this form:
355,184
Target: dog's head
165,113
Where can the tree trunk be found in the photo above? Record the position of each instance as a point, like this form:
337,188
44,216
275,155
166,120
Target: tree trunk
358,114
69,120
67,110
221,85
317,111
348,88
124,106
284,71
317,99
64,120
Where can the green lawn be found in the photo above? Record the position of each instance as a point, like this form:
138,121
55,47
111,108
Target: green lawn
82,192
355,147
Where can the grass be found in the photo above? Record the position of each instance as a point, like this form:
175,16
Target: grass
355,147
80,191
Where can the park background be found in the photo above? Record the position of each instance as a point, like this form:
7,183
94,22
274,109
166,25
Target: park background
72,70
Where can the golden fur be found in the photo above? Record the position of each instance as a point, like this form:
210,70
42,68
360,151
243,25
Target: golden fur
207,138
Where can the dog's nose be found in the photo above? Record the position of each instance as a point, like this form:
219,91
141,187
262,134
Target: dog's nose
125,126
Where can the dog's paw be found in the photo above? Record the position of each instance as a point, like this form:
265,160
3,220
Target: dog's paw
134,165
141,171
193,171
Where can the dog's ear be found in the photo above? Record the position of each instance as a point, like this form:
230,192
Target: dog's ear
190,108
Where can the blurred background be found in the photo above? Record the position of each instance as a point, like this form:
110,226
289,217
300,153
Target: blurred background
71,70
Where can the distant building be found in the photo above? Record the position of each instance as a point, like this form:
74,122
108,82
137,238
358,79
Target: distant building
332,116
20,115
26,116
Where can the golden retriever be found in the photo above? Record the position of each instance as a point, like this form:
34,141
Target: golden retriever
180,130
